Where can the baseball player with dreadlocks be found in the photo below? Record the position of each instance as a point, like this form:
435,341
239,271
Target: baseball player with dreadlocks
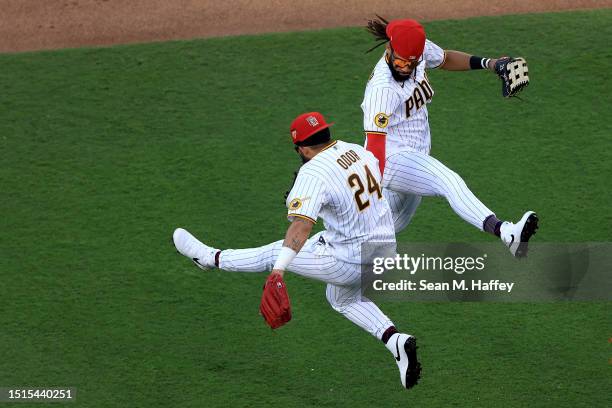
397,128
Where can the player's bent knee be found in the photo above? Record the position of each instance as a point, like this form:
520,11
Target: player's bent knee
452,182
337,308
332,299
339,304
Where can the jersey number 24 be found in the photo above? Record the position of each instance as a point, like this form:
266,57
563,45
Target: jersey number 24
373,187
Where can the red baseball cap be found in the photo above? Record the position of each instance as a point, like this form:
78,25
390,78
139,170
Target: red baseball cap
306,125
407,38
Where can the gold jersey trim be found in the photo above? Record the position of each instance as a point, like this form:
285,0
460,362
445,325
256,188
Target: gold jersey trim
302,216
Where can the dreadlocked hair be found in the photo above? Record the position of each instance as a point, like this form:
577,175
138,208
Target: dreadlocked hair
378,28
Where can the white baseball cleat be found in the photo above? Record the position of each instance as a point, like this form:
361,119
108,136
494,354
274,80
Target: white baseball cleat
404,349
186,244
516,236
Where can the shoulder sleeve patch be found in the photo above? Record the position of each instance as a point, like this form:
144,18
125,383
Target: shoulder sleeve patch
381,120
295,204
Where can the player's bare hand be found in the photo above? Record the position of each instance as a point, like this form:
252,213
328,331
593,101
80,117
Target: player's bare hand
278,271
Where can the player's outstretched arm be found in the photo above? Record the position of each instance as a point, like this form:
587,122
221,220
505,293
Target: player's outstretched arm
297,234
460,61
513,72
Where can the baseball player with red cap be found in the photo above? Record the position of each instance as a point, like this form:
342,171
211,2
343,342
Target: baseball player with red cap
395,120
340,183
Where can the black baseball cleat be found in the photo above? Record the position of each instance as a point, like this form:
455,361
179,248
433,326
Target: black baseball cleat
516,236
404,349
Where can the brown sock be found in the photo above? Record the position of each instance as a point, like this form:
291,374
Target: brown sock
491,225
388,333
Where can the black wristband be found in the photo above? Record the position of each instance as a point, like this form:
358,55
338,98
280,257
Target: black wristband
479,62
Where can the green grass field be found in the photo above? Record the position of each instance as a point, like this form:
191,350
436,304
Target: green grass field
105,151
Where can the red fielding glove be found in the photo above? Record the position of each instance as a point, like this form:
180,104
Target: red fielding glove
275,306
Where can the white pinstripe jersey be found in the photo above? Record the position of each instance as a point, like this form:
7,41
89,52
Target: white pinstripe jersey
341,185
399,109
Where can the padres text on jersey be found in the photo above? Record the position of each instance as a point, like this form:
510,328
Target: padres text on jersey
399,109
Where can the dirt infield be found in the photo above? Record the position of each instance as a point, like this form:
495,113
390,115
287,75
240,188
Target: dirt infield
37,24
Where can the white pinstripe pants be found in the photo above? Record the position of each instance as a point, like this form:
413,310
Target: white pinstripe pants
410,175
314,261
